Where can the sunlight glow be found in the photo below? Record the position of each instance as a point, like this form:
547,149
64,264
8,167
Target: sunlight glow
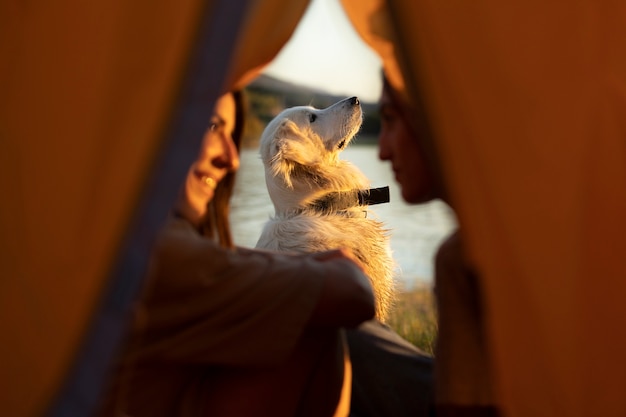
326,53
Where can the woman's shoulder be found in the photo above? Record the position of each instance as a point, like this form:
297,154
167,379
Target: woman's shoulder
178,240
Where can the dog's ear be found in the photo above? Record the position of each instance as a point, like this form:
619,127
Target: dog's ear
293,147
297,145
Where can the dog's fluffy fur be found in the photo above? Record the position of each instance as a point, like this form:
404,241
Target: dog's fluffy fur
314,192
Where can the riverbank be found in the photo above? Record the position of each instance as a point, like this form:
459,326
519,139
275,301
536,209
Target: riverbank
414,317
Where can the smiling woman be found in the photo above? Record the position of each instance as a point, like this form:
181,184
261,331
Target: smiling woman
208,302
217,158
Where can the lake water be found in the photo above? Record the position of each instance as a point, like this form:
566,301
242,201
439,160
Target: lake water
416,230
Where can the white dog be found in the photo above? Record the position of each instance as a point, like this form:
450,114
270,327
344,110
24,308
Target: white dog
320,200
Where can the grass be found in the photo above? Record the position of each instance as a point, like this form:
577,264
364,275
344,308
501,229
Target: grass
414,317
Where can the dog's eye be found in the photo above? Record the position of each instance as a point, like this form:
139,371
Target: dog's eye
312,117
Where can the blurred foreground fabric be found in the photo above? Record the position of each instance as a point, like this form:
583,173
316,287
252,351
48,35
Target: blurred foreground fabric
103,108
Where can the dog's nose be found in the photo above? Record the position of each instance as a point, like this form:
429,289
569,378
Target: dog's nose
354,101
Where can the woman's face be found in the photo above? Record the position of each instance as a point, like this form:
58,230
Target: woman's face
401,146
218,155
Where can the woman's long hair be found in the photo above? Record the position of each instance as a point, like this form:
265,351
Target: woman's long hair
216,224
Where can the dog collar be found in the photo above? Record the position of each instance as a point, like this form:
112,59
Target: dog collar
374,196
343,200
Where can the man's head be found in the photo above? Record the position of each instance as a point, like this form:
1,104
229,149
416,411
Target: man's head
405,146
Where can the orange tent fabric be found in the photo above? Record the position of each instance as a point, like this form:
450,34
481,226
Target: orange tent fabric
527,102
103,105
101,113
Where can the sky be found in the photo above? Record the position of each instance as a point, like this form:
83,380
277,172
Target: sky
325,52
